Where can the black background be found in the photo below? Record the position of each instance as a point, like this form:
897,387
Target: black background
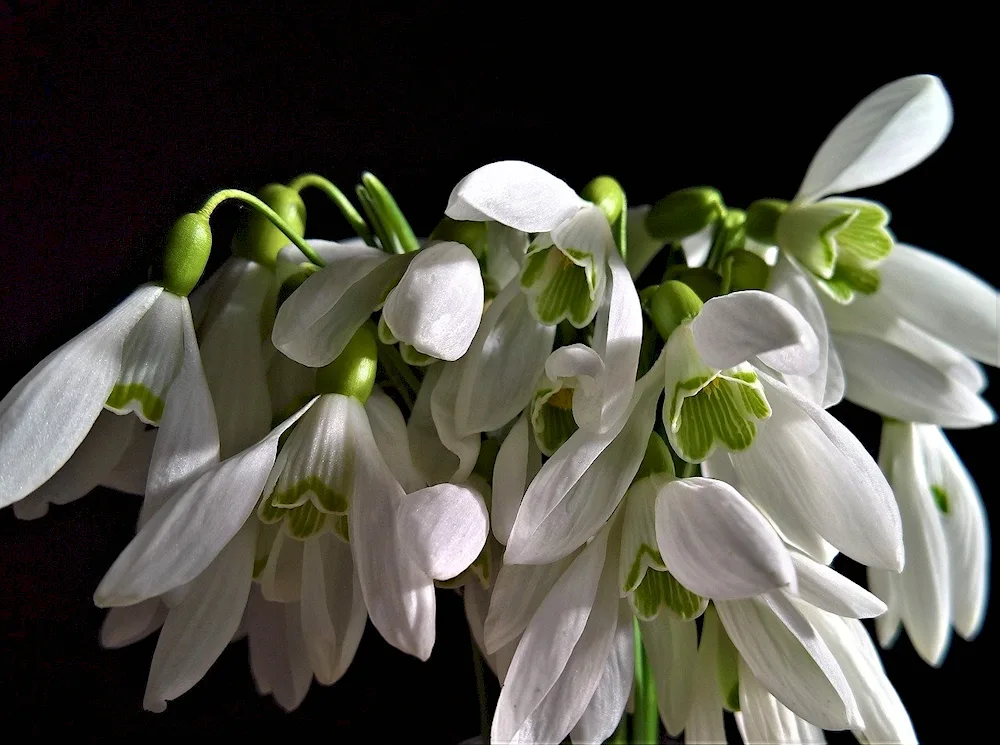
113,121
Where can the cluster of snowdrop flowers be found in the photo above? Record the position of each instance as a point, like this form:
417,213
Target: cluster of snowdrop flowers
633,480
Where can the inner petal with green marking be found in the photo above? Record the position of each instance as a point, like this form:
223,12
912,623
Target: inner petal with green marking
552,416
659,590
562,284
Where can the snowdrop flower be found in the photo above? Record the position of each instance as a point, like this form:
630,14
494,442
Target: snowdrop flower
945,581
141,358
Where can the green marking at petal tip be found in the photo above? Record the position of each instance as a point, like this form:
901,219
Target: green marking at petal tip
720,411
326,498
632,581
727,668
941,498
558,288
127,397
552,419
865,236
268,513
305,521
659,590
412,357
341,527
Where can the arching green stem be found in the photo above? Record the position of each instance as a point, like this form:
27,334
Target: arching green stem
343,204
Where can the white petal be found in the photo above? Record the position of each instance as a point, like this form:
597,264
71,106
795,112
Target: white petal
805,461
716,543
389,430
231,351
518,460
642,247
44,418
704,723
132,471
476,603
888,133
187,443
825,588
672,648
183,537
518,590
506,252
888,625
579,487
333,608
399,595
517,194
198,630
557,628
289,384
924,585
733,328
944,299
437,304
506,360
965,529
433,459
790,659
131,623
281,579
443,528
315,323
638,546
607,705
697,246
763,719
278,658
88,467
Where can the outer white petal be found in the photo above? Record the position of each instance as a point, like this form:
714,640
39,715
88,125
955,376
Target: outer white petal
315,323
894,382
924,585
888,625
672,648
607,705
697,246
826,588
716,543
642,247
443,528
279,661
888,133
399,595
389,430
437,304
764,720
198,630
87,468
965,529
506,252
579,487
805,461
704,723
44,418
733,328
517,194
432,458
501,368
132,471
281,579
791,660
557,628
944,299
333,608
187,443
183,537
518,460
132,623
517,592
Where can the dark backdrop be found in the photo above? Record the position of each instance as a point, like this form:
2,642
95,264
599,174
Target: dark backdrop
113,121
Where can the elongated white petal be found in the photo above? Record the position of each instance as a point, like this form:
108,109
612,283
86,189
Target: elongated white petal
517,592
896,383
888,133
389,429
183,537
924,585
579,487
517,194
642,247
704,725
501,368
132,471
791,660
188,441
131,623
548,642
44,418
433,459
281,579
716,543
518,460
672,648
88,467
443,528
889,624
805,461
399,595
639,551
315,323
198,630
764,720
607,705
507,247
279,661
828,589
438,302
733,328
333,608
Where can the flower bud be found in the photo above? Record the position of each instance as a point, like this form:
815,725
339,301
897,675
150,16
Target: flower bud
189,244
607,194
705,282
468,233
257,238
684,213
673,303
762,220
353,372
744,270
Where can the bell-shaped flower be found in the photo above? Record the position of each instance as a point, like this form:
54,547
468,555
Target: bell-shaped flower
945,581
431,299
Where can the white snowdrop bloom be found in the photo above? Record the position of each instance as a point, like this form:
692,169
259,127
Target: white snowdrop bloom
945,582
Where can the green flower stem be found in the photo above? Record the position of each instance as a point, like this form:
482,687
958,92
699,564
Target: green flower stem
646,720
620,737
221,196
402,377
385,239
392,217
350,214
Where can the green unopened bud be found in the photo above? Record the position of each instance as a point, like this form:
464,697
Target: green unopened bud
673,304
468,233
294,282
353,372
657,458
684,213
607,194
256,237
744,270
704,281
762,220
189,244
